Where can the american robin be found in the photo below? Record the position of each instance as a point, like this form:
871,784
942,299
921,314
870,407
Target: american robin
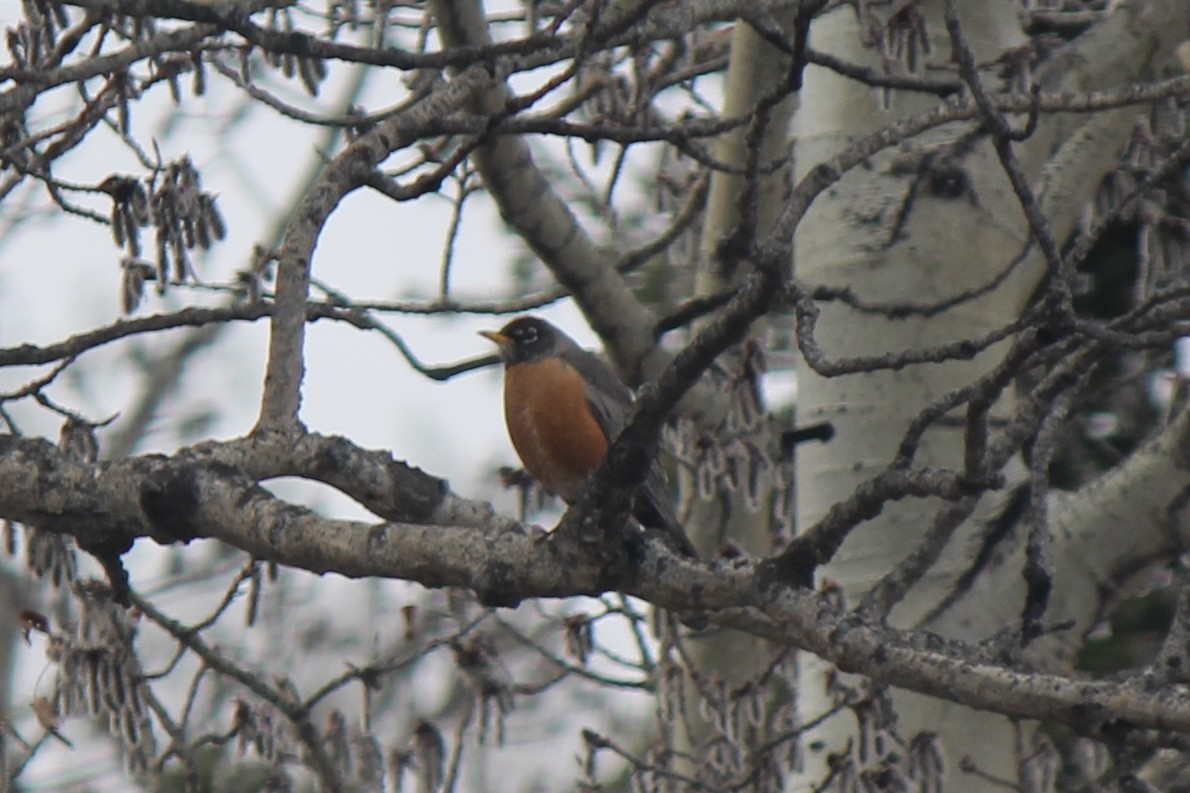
562,405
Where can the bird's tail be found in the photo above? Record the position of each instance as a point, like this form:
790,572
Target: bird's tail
654,509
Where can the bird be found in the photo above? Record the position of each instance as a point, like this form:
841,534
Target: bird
563,405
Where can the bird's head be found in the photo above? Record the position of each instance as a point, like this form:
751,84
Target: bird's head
526,340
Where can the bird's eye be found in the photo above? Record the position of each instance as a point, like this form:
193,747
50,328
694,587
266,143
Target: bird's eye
529,335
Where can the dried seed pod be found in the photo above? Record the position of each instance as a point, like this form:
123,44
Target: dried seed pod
132,284
704,480
409,618
198,85
1041,768
119,236
334,738
49,555
429,755
308,73
129,728
266,737
369,761
114,688
400,761
578,637
16,47
92,684
479,661
714,458
179,258
212,217
189,231
925,762
736,468
77,440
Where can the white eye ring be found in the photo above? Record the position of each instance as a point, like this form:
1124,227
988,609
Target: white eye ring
530,334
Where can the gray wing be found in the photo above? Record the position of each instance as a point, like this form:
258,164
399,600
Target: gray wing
610,401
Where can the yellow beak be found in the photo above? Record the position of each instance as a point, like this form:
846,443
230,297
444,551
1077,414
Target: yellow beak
496,336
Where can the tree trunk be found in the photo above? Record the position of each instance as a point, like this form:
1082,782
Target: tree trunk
921,224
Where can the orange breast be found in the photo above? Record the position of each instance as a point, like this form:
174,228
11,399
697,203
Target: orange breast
551,425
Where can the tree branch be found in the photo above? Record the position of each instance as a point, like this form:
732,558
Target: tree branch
173,499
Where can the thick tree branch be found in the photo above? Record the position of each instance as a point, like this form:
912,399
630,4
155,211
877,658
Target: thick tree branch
177,499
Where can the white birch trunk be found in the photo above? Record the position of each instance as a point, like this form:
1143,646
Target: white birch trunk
946,245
